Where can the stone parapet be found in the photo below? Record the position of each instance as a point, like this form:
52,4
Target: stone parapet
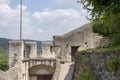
31,49
57,70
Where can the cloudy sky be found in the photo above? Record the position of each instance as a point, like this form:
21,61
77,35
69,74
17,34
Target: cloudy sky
41,18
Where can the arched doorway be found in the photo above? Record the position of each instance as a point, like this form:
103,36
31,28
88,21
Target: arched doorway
41,72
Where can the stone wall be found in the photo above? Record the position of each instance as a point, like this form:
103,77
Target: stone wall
104,42
47,50
80,37
24,55
11,74
57,70
30,49
16,49
98,65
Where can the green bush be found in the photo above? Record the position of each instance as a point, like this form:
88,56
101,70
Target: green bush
115,40
112,65
3,66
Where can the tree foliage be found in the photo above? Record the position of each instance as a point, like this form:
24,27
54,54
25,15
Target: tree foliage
105,15
102,7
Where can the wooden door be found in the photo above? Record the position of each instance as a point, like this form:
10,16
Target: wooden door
44,77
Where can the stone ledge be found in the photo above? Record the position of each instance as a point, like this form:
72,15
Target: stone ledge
39,59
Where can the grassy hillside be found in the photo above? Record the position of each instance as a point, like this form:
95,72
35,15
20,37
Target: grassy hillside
3,59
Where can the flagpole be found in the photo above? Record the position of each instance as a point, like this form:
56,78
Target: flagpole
78,1
21,20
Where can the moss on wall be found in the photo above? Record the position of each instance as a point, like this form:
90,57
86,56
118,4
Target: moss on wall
112,65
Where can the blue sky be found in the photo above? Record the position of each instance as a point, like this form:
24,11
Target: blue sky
41,18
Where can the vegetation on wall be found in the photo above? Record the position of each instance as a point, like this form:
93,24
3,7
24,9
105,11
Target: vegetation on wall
92,62
3,59
105,15
83,71
112,65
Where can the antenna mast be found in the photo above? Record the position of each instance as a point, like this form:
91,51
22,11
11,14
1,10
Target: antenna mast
21,20
78,1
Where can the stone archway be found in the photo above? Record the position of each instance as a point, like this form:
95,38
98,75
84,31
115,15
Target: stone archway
41,72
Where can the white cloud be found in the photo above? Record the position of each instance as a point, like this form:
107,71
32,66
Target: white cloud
4,1
66,1
38,25
60,21
40,31
55,15
5,10
9,22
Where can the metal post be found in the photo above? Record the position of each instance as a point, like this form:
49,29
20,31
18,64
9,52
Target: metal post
21,20
78,1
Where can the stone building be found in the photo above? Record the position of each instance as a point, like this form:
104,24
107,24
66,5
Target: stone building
31,66
27,64
82,37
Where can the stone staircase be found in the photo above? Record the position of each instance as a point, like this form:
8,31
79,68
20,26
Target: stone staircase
66,71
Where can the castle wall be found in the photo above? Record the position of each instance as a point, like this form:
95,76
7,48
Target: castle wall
16,49
30,49
47,50
24,54
57,51
81,37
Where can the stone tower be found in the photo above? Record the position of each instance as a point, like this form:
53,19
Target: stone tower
16,50
19,52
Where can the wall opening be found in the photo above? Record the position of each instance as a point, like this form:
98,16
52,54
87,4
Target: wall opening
41,72
27,52
44,77
73,52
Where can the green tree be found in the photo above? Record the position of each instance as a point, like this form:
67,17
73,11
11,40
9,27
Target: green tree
105,15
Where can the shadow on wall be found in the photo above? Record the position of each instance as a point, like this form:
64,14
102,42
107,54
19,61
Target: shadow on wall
70,72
